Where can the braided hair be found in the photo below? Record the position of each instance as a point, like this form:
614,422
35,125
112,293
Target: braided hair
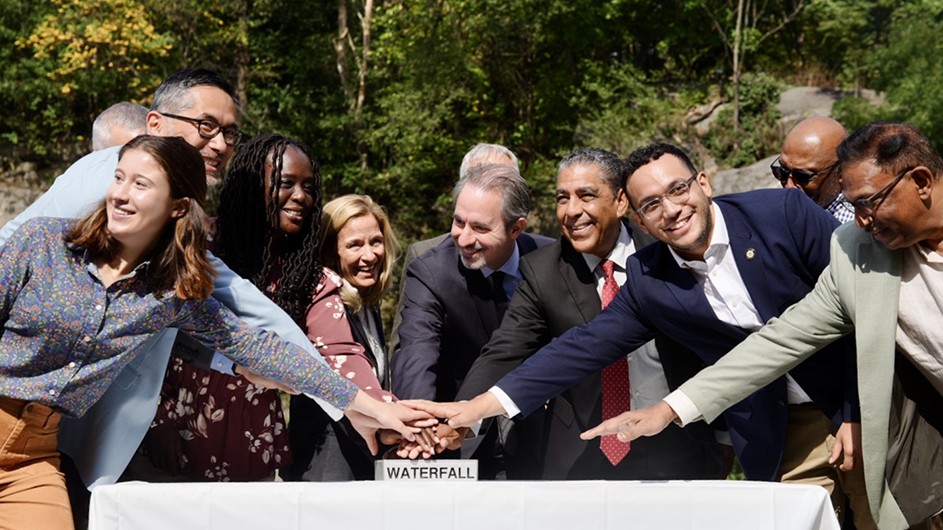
247,236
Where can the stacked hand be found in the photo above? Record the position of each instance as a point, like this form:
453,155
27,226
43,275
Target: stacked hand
367,415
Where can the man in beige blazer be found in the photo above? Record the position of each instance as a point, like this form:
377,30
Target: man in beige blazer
885,283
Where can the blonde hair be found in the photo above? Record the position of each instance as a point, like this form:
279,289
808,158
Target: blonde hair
338,213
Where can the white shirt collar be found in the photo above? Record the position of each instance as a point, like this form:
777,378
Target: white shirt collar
720,242
624,248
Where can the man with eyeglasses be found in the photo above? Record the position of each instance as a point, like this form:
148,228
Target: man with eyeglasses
884,284
199,106
720,269
809,161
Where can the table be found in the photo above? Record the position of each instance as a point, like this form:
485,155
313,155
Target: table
442,505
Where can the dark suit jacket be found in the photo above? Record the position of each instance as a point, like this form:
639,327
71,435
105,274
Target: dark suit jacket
309,422
448,315
557,293
780,241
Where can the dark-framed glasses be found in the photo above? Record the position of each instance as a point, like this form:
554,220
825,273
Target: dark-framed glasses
799,176
868,205
208,129
676,194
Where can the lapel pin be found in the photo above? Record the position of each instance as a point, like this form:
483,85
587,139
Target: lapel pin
751,254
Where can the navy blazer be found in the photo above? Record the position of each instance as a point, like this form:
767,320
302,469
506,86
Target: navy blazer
448,315
780,241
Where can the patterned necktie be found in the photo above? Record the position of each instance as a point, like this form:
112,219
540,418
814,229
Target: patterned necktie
615,380
498,294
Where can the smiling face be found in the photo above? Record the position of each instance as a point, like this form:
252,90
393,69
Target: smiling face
360,252
295,190
205,103
479,230
138,203
686,227
902,216
588,211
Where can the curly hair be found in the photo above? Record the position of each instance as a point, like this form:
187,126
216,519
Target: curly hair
247,225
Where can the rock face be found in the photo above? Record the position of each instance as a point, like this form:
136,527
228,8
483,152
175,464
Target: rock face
20,185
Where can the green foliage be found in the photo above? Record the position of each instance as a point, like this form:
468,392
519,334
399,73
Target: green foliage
621,110
760,132
853,112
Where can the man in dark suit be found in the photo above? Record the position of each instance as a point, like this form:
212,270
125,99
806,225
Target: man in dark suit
720,270
561,289
456,293
478,155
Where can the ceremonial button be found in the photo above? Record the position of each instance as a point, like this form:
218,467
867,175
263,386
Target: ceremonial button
52,392
98,307
72,365
86,339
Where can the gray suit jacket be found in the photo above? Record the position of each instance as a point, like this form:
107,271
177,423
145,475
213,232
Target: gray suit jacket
859,291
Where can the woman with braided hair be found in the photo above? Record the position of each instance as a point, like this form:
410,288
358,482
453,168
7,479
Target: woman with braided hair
212,426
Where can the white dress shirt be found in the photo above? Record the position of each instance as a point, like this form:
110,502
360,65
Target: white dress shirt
728,296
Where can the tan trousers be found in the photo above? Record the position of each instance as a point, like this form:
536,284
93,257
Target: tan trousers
32,490
810,437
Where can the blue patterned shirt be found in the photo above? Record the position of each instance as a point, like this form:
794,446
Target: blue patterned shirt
839,212
66,336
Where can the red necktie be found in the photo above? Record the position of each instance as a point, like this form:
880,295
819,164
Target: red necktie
615,380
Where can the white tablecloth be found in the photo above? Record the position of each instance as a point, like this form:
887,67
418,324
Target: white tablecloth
434,505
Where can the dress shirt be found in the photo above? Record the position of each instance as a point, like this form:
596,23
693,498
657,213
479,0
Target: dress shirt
839,212
66,336
511,270
919,334
728,296
647,390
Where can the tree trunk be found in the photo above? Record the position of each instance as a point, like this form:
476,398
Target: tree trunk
737,45
340,48
242,55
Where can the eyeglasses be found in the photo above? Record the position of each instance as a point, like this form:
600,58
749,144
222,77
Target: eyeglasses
208,129
867,206
799,176
676,194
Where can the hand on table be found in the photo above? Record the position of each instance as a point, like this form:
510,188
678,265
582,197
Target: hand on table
635,423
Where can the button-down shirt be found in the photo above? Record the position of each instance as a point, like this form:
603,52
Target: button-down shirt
511,270
839,212
66,335
728,296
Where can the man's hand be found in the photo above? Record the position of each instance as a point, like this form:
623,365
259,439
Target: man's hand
367,415
635,423
847,442
464,414
261,381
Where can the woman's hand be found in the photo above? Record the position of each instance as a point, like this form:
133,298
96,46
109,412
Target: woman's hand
367,415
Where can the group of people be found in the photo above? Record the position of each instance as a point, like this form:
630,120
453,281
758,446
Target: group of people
156,333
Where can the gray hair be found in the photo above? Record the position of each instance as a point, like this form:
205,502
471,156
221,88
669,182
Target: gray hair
506,181
613,168
173,95
485,154
124,115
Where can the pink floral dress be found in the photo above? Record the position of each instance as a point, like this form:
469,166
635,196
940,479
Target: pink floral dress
235,431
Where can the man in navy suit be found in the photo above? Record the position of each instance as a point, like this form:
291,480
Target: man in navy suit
562,287
721,269
456,293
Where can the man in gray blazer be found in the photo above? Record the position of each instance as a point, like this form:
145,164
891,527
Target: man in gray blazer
884,283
